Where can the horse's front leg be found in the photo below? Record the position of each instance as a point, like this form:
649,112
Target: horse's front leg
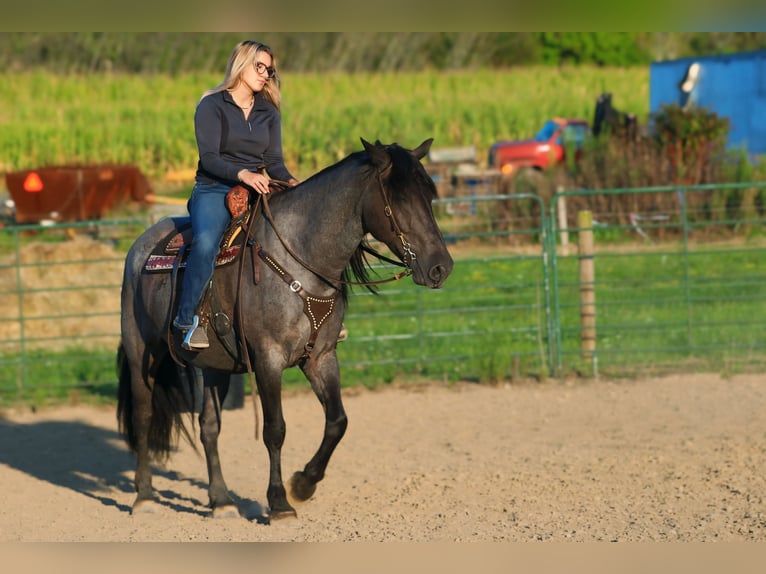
269,379
324,375
214,392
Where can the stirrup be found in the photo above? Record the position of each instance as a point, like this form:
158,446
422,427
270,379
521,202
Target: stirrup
195,337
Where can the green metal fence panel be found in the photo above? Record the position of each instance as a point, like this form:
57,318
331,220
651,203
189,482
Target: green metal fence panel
59,305
679,285
679,279
490,321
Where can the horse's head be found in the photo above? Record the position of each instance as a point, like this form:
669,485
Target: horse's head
400,214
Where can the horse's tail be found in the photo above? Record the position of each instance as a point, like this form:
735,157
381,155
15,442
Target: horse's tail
169,403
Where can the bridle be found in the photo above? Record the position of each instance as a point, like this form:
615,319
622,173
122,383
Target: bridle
409,255
408,258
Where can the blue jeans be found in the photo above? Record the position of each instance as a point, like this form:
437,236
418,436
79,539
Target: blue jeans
209,218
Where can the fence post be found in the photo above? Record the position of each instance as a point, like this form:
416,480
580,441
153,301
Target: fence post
562,221
21,373
587,284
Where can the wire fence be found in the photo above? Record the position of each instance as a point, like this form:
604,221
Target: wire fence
677,288
676,284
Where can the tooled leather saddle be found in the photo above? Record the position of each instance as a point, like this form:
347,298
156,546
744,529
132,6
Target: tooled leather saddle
163,256
172,251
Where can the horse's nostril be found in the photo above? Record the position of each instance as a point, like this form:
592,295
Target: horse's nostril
437,274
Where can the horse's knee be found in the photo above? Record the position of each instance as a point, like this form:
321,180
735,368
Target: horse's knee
274,434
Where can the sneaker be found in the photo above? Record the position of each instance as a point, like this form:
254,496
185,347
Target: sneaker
194,335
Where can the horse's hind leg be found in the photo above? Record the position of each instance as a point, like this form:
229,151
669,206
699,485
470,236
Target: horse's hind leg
324,376
141,419
216,385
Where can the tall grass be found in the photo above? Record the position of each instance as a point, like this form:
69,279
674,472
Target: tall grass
147,120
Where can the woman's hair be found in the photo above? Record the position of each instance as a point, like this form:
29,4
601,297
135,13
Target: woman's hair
244,55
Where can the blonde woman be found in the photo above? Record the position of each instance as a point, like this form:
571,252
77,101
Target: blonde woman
238,127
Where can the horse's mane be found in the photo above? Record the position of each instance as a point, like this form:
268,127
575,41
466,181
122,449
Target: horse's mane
406,170
359,267
403,170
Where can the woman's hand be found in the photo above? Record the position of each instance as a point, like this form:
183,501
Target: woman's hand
259,182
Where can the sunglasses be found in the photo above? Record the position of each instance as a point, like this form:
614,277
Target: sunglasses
262,68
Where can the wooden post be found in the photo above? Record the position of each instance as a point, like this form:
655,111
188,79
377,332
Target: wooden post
587,284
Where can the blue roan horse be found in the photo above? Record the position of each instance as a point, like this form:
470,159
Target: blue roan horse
281,297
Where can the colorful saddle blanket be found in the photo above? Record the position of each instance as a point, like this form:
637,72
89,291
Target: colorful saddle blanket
165,253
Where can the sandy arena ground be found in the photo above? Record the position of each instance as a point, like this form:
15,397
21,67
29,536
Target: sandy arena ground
681,458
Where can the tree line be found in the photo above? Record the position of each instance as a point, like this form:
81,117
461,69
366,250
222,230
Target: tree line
202,52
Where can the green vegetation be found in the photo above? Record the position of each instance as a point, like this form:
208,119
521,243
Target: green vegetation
68,376
147,120
91,98
658,309
663,308
176,53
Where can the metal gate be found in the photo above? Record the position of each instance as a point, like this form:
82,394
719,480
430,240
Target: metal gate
676,285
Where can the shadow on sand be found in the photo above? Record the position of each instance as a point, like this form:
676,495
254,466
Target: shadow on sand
94,462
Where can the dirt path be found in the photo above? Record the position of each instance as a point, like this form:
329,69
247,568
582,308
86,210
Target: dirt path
679,458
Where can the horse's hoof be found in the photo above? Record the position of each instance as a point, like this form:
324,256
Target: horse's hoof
287,516
300,487
227,511
145,506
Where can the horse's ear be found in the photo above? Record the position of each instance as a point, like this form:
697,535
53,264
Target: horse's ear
422,150
378,154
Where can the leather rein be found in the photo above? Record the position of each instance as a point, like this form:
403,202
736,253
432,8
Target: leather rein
409,258
409,255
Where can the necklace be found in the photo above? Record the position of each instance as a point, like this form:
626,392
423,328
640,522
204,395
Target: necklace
248,106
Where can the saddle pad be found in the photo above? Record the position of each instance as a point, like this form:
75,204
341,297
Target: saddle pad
166,250
164,254
159,262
